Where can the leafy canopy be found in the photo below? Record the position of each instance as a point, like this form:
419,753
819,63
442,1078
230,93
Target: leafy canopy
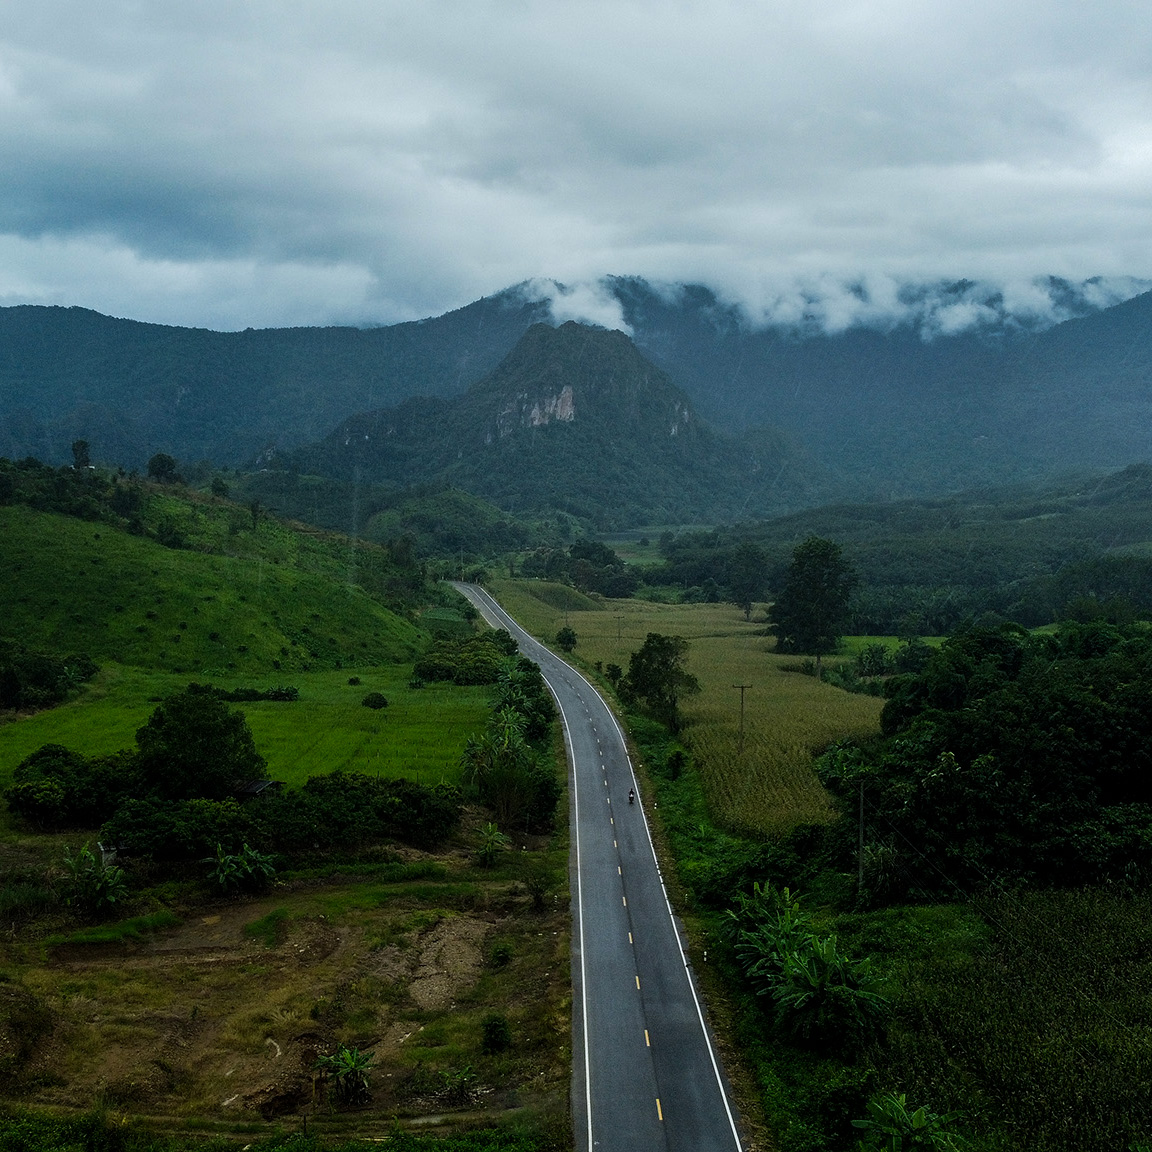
195,746
811,611
657,677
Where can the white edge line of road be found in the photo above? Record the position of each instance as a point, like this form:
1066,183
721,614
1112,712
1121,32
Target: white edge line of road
580,917
579,876
659,874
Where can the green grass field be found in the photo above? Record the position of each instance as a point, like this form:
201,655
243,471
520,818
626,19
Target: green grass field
771,785
421,733
69,585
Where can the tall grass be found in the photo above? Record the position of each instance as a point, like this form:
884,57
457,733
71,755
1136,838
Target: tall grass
420,735
770,786
1040,1029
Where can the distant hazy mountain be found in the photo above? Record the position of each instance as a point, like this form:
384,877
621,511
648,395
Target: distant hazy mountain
893,413
574,418
868,412
133,389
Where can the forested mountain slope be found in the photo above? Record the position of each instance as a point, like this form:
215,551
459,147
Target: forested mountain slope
132,389
574,418
893,413
870,412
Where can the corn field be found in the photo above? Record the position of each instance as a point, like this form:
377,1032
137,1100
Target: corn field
768,785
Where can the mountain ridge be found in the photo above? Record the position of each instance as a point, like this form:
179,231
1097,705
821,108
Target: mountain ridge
574,418
876,413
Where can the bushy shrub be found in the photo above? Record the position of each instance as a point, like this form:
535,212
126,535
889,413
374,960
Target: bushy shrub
375,700
286,693
476,660
57,788
174,831
30,679
346,811
497,1034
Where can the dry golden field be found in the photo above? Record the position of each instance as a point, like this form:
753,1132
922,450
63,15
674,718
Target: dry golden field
788,716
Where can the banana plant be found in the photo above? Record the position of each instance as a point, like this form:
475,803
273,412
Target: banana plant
821,993
893,1127
348,1069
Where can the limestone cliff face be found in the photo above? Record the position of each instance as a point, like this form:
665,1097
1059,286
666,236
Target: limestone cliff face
574,418
526,411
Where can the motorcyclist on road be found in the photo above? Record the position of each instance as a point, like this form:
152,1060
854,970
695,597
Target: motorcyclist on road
631,795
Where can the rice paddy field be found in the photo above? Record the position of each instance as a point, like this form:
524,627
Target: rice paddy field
763,784
420,735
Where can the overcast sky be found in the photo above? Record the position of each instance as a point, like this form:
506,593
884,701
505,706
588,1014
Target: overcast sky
241,163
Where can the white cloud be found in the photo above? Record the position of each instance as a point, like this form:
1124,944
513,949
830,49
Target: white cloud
588,303
235,164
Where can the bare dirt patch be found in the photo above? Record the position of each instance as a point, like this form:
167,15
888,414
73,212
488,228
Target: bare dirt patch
450,961
223,1017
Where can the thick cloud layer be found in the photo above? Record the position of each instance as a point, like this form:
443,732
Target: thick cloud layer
255,163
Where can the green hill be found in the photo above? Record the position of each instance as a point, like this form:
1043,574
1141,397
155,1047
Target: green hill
1024,552
574,419
243,593
440,520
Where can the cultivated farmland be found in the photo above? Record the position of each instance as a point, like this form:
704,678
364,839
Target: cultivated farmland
771,785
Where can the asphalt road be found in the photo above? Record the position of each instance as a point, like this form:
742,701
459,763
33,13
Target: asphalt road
645,1071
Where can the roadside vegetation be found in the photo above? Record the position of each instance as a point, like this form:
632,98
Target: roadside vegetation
244,878
991,966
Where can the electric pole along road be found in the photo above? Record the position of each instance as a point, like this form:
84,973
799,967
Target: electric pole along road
645,1072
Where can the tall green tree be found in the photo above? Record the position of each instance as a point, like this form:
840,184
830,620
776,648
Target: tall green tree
658,678
195,746
162,468
811,611
747,576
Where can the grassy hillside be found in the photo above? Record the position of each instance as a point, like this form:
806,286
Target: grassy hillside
70,585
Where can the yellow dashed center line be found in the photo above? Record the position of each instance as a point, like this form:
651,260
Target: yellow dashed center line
637,981
659,1110
647,1042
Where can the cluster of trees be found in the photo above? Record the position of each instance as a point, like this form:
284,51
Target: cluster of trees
510,767
477,659
1010,758
30,679
587,565
175,796
84,492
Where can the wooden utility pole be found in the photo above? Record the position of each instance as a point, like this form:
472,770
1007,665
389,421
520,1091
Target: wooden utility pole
742,687
860,853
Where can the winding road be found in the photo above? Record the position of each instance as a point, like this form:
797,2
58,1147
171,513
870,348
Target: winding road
645,1071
